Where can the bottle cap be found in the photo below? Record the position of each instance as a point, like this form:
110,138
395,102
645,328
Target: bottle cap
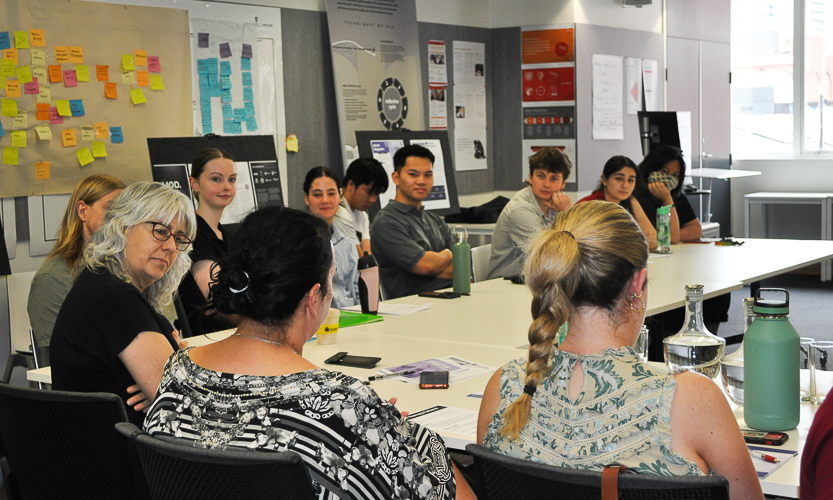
460,234
367,261
664,210
771,306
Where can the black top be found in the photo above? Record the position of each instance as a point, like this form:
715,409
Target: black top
100,317
5,268
206,246
685,213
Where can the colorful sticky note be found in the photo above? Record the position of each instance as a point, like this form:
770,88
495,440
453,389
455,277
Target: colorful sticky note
99,149
38,57
156,82
42,75
70,80
9,107
31,88
12,55
87,133
128,77
102,73
153,64
225,50
84,156
2,132
36,38
76,55
127,62
225,68
55,73
202,40
239,114
228,114
44,132
42,170
246,64
44,95
7,67
42,111
4,40
142,78
54,117
61,54
137,96
21,120
101,131
247,79
116,136
18,138
225,96
63,107
13,88
110,90
246,53
250,108
68,138
248,95
82,72
24,74
251,123
140,57
10,156
76,107
225,82
21,39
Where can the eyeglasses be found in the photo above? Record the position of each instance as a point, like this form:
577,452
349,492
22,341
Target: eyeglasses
162,233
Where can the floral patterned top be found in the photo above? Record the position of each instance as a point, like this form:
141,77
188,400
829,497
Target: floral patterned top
621,415
355,445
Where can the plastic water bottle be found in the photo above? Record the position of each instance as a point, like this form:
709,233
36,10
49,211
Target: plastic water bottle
771,366
664,229
694,347
461,261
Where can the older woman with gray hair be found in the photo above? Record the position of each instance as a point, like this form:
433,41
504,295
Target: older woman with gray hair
109,333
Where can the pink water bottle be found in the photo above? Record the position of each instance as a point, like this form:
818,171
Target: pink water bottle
368,284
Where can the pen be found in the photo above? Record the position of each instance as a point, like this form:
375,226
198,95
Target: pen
765,457
389,375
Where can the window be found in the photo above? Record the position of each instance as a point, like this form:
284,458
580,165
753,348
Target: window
818,67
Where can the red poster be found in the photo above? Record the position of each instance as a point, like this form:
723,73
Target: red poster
549,84
547,46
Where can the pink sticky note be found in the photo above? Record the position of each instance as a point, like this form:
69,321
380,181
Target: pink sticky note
153,64
70,79
54,117
31,87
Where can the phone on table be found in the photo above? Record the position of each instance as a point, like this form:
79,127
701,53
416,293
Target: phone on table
433,380
440,295
763,437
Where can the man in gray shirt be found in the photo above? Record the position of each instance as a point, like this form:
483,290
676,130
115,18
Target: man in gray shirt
412,246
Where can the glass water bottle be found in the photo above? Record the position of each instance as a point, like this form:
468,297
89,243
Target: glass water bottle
731,365
694,347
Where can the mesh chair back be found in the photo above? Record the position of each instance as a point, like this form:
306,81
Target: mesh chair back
179,470
63,445
500,476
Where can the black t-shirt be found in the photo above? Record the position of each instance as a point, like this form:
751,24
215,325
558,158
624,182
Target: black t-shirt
5,268
685,213
99,318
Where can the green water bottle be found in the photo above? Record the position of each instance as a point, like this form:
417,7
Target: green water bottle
664,229
461,261
770,366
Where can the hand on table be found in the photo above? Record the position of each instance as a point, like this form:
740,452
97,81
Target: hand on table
138,401
661,192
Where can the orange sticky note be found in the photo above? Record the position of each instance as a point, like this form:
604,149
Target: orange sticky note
76,55
84,156
62,54
102,73
42,170
140,58
143,78
68,137
37,38
101,130
12,88
42,112
12,55
137,96
56,75
110,90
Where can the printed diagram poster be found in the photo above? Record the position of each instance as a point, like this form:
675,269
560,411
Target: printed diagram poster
383,151
633,85
549,84
650,83
550,126
437,85
608,119
469,106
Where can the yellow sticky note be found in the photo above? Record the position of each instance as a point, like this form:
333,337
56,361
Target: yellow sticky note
7,67
9,107
292,143
156,82
127,62
68,137
87,133
38,57
44,132
137,96
99,149
2,82
63,107
21,120
37,38
101,131
24,74
82,73
44,95
42,170
140,58
76,55
12,55
84,156
12,88
21,40
61,54
10,156
18,138
42,75
128,77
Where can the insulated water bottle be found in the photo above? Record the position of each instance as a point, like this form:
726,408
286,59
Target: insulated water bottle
461,261
368,284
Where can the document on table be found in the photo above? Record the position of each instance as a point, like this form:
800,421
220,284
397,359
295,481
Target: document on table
386,308
458,369
764,468
446,419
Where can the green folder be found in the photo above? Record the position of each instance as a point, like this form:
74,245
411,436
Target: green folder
348,318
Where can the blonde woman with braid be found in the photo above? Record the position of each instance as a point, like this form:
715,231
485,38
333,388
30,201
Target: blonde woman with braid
591,401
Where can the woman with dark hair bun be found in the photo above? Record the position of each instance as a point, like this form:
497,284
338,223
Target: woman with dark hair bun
254,389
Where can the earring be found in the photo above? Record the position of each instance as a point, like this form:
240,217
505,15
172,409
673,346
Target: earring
638,297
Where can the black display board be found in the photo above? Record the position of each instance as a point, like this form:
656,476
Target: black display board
371,142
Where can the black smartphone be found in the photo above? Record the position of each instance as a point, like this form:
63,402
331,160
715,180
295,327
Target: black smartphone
433,380
440,295
343,359
763,437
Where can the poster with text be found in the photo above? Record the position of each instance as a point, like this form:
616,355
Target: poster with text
650,83
547,44
549,126
549,84
633,85
469,106
608,119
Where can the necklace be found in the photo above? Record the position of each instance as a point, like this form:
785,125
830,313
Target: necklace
238,334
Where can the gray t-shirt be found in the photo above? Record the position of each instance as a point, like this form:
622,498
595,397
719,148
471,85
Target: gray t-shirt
520,219
399,237
50,287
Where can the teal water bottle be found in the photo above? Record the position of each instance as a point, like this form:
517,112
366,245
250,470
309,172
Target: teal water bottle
770,366
461,261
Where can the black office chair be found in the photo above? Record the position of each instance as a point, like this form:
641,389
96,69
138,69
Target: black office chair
64,445
500,476
177,470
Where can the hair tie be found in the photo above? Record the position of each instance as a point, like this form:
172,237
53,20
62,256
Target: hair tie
569,234
245,287
530,389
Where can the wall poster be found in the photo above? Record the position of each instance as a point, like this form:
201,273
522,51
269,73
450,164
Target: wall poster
469,106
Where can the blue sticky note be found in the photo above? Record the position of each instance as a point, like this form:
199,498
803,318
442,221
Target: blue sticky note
205,101
213,81
227,112
246,64
225,68
4,40
202,66
248,95
116,135
250,108
236,128
204,80
225,96
1,123
76,106
225,83
239,114
251,124
207,128
247,79
228,127
212,65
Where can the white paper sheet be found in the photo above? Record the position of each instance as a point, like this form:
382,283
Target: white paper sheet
458,369
389,309
650,83
608,119
447,419
633,85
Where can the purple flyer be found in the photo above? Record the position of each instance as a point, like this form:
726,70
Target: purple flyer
247,51
225,50
202,40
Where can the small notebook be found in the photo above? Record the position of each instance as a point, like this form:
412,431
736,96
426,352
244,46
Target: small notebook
348,318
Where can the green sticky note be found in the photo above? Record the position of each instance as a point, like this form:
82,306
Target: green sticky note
10,156
99,149
18,138
127,62
63,107
7,67
82,72
21,39
137,96
9,107
156,82
24,74
84,156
